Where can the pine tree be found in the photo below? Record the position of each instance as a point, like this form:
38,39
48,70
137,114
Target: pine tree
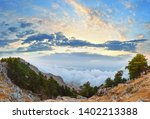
137,66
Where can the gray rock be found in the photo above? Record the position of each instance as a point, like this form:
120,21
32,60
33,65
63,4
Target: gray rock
17,97
81,97
140,100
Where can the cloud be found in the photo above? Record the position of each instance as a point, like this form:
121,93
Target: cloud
95,23
121,46
35,47
78,68
85,61
7,42
130,20
147,25
3,43
59,39
24,24
140,36
83,21
127,4
25,33
14,31
79,77
24,36
55,6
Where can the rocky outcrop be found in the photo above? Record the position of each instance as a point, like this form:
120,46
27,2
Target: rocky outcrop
56,78
9,92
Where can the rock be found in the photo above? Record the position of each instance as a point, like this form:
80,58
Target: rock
56,78
17,97
69,99
102,91
59,98
81,97
140,100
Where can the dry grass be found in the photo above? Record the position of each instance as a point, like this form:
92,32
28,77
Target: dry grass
132,91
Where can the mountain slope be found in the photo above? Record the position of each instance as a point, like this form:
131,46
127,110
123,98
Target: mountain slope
25,80
11,92
132,91
47,75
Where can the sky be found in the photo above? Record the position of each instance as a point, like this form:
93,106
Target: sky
80,40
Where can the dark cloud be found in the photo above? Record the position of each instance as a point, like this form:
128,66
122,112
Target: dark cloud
7,42
3,24
124,46
78,43
38,42
38,38
24,24
3,43
35,47
13,29
3,34
25,33
58,39
11,32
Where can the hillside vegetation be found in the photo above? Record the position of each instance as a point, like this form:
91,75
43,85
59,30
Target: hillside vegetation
24,77
136,88
132,91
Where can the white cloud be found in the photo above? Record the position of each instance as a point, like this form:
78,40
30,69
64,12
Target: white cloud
94,24
147,25
140,36
130,20
80,68
77,68
127,4
78,77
